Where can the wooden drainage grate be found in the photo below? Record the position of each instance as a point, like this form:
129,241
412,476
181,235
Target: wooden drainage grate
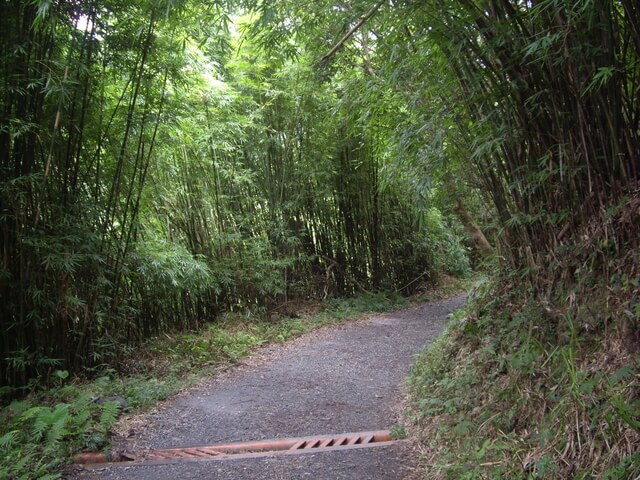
243,450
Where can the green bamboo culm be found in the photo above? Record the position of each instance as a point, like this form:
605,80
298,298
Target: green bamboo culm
159,168
552,96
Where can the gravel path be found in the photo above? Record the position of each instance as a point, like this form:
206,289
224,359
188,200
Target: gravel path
340,379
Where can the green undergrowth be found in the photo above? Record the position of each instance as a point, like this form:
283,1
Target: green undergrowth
515,389
39,434
446,287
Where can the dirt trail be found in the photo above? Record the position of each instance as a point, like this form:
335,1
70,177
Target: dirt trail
338,379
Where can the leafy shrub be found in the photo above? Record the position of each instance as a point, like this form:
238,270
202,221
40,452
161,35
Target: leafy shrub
447,250
37,440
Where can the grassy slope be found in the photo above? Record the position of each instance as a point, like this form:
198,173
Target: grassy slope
515,390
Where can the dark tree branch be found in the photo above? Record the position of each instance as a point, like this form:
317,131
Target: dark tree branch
353,30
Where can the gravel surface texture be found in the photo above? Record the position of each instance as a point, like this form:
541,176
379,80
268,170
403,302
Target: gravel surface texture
339,379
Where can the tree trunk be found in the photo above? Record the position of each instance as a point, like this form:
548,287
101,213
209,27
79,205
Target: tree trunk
480,242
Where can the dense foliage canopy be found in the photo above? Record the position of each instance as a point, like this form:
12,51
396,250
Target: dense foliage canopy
162,161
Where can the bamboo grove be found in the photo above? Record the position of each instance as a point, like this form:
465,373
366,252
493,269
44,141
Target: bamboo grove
164,161
553,95
159,166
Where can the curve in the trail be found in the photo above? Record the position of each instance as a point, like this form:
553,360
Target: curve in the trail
338,379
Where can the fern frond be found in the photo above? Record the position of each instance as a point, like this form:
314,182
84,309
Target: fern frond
58,420
79,422
20,465
61,411
110,411
41,423
56,433
82,402
8,439
32,412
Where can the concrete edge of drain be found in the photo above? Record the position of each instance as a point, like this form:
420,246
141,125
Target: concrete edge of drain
382,438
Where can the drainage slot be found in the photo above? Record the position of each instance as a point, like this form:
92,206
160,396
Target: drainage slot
247,449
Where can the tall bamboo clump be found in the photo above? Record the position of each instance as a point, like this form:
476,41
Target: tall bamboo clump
552,89
79,113
30,137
